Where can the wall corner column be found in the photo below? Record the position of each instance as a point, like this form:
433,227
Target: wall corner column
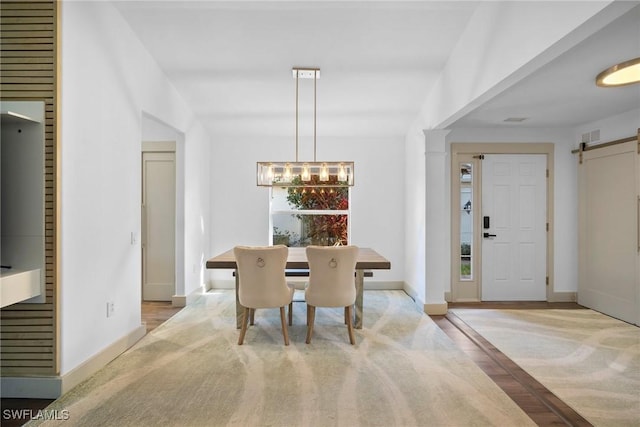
436,256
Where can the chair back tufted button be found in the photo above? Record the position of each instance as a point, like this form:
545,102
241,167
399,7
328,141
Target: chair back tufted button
333,263
260,262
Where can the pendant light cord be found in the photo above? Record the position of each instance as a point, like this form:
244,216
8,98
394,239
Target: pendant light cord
297,74
315,76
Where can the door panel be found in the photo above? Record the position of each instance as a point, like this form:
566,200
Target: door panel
609,253
158,216
514,197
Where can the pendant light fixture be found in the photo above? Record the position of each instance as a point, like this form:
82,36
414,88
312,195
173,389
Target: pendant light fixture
310,173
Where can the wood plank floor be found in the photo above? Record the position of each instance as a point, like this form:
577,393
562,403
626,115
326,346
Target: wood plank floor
155,313
544,408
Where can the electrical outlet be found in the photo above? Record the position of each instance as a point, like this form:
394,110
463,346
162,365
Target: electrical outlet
110,308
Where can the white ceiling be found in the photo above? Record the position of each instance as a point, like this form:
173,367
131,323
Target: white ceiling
232,63
563,92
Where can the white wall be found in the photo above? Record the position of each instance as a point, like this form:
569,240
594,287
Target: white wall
502,44
240,209
108,81
565,191
197,185
620,126
414,214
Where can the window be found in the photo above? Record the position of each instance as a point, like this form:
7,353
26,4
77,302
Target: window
466,221
311,215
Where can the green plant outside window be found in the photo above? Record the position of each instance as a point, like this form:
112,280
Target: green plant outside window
316,214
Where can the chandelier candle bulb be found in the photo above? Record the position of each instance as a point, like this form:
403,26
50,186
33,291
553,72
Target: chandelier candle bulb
287,173
342,174
324,173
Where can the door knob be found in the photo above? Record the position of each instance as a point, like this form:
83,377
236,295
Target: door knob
487,235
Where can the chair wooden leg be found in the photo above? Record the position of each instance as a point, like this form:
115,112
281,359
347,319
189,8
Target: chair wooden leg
285,332
252,316
243,330
291,313
311,317
352,338
346,315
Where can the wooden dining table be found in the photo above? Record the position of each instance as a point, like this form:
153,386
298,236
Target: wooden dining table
368,259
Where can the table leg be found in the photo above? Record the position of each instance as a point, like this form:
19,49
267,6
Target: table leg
239,308
359,297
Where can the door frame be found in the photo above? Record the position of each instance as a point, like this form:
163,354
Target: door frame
460,151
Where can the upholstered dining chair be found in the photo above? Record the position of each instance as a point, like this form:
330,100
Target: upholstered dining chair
331,283
262,283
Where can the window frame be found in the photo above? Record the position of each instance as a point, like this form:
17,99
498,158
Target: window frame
273,212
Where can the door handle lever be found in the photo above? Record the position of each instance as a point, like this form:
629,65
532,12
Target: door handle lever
487,235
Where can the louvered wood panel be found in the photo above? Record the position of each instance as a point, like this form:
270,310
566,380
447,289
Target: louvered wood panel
16,322
28,64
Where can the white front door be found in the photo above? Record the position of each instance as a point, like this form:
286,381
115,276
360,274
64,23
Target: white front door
514,242
158,226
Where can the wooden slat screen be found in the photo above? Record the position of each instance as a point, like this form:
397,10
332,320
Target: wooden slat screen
28,67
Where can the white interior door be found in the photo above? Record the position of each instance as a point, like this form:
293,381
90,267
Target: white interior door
514,246
158,226
609,250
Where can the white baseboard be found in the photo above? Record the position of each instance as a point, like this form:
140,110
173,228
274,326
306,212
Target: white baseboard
436,309
431,309
553,297
98,361
179,301
184,300
221,284
372,285
439,309
55,386
563,297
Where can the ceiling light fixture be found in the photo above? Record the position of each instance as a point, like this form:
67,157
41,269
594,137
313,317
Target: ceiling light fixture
622,74
303,174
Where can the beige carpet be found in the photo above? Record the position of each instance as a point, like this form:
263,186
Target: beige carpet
589,360
403,371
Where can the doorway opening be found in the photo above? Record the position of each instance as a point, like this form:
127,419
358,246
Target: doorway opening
501,222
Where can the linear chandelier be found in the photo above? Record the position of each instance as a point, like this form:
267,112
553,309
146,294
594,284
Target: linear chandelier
303,174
